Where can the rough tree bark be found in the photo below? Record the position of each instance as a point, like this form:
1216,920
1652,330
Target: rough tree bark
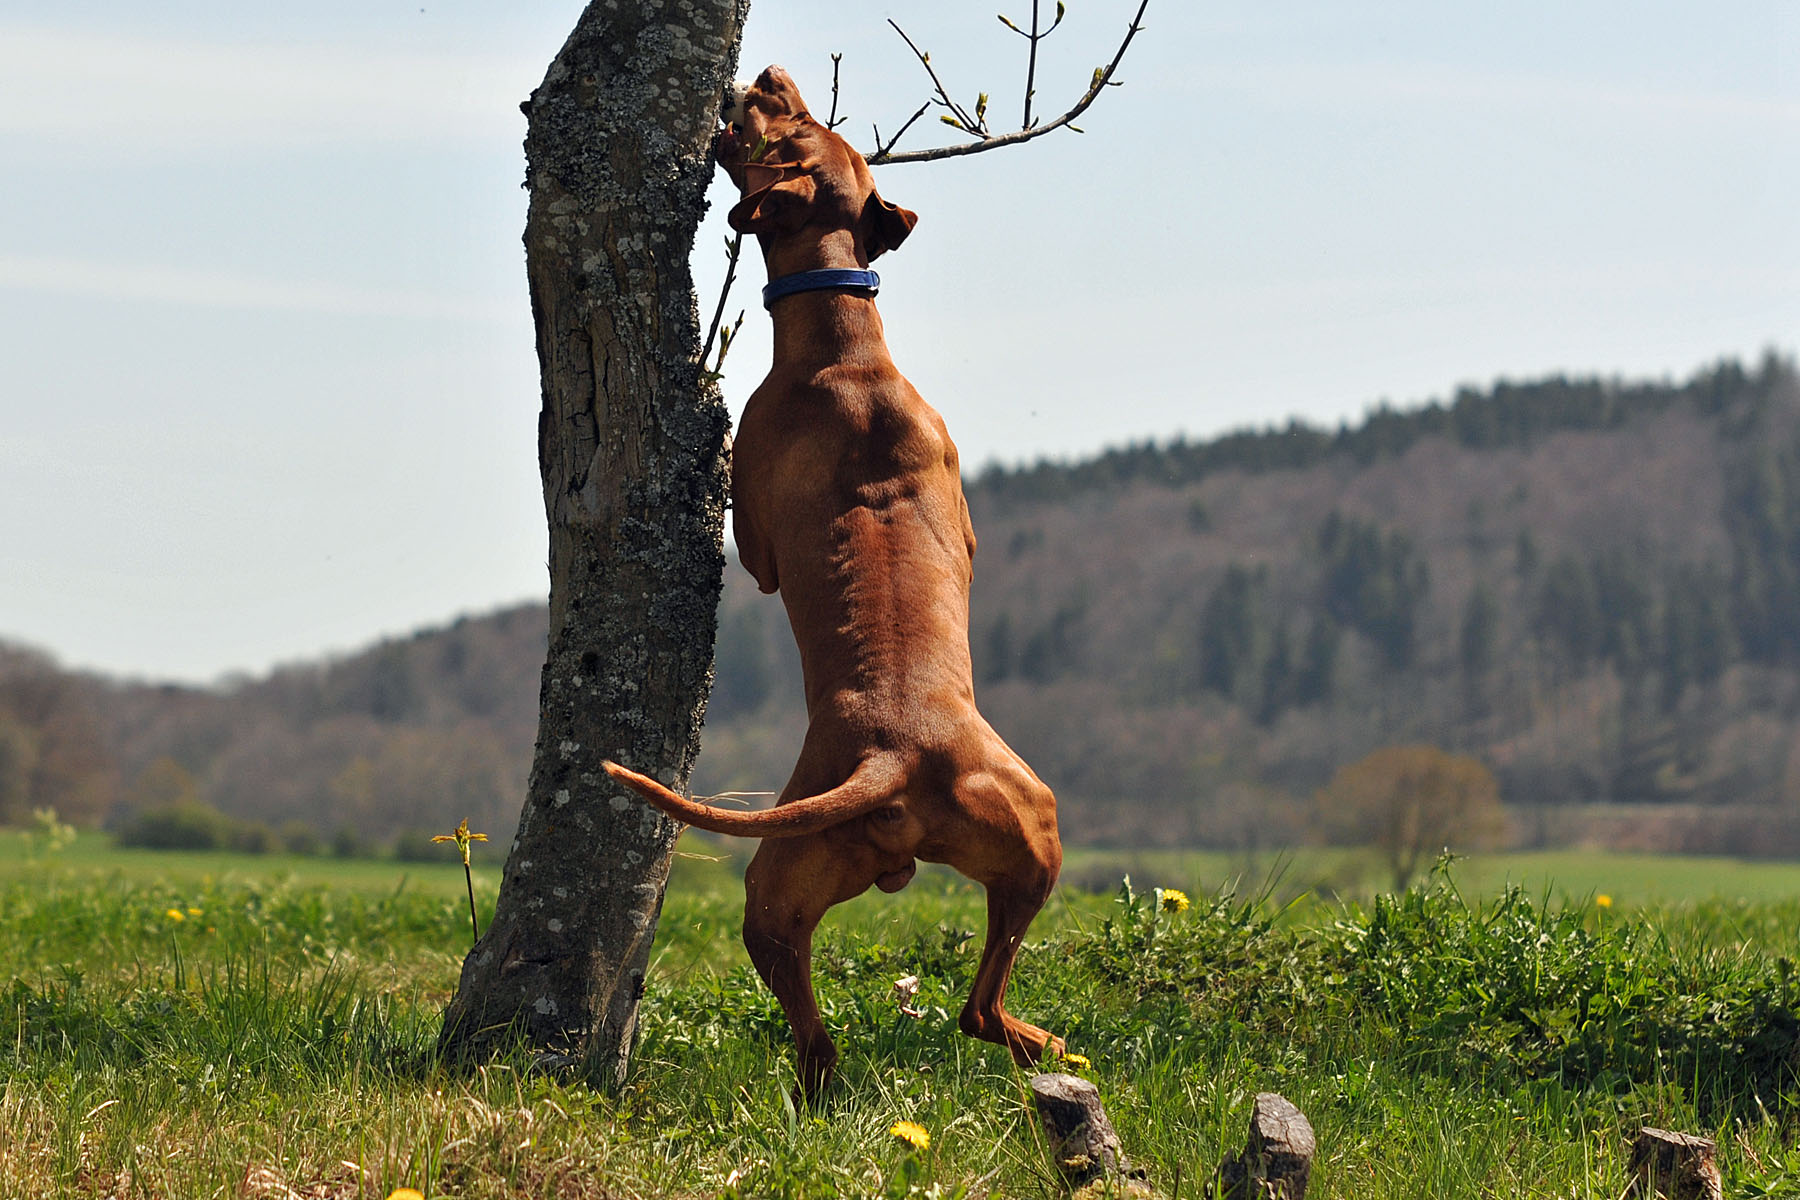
632,446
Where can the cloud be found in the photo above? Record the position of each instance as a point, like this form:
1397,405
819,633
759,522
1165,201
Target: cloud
211,289
140,95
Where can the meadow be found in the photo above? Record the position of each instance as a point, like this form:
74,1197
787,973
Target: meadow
234,1026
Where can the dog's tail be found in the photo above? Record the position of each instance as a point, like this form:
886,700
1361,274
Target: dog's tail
877,780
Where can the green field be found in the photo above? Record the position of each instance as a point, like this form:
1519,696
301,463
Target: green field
227,1025
1629,879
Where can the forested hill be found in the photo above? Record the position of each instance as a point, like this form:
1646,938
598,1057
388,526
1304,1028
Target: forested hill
1507,416
1593,587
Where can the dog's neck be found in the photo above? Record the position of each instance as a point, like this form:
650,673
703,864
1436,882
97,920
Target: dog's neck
818,328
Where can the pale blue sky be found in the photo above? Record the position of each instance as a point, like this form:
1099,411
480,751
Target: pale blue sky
269,387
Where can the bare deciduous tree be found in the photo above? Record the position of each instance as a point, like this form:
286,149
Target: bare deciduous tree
1412,802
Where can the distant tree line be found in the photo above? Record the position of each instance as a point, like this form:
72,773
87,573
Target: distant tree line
1506,415
1178,662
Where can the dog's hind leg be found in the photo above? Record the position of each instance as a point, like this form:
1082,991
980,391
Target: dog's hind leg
1017,856
787,888
1010,910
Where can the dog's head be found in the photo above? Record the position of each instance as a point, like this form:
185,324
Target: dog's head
798,177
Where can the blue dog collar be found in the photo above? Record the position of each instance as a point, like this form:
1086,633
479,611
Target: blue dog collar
814,281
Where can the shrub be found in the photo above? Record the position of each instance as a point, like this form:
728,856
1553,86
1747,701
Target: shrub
253,837
347,842
1511,989
414,845
1413,802
184,825
297,837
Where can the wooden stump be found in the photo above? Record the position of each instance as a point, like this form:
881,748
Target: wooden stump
1082,1140
1674,1166
1277,1160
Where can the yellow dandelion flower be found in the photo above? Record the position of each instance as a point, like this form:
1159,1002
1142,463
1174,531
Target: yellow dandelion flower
194,912
912,1133
1174,900
406,1194
175,914
1603,900
1077,1062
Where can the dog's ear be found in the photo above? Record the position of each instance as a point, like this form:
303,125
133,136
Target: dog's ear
778,208
884,225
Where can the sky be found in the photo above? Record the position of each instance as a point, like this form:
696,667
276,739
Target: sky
269,389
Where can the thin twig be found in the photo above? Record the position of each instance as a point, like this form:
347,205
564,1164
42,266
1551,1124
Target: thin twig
965,121
727,335
881,152
1103,78
1031,66
832,121
732,249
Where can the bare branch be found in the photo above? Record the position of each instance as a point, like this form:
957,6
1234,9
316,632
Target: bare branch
833,121
1031,66
1103,79
732,249
963,120
726,334
881,151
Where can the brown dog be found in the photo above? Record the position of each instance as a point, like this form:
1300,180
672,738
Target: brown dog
847,499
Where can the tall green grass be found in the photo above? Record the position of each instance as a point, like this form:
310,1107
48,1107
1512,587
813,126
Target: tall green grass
279,1033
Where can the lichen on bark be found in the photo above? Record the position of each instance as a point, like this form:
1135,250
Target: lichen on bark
632,447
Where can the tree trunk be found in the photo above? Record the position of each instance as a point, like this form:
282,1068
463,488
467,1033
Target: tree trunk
632,442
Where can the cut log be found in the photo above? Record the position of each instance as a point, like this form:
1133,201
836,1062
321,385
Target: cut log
1083,1143
1276,1163
1674,1166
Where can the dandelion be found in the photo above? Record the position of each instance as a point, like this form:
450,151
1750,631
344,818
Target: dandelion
195,912
462,837
406,1194
1174,900
1603,900
912,1133
1077,1062
175,914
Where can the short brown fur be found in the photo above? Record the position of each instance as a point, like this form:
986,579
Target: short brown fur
847,499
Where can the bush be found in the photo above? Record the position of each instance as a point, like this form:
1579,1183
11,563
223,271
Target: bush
185,825
416,846
253,837
347,842
1510,989
297,837
1413,802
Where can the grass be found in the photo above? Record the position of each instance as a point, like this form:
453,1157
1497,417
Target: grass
95,855
1465,1040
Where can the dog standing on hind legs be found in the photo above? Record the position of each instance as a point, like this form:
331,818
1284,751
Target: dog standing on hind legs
847,499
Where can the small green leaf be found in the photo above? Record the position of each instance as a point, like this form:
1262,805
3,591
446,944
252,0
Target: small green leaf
950,120
1007,21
